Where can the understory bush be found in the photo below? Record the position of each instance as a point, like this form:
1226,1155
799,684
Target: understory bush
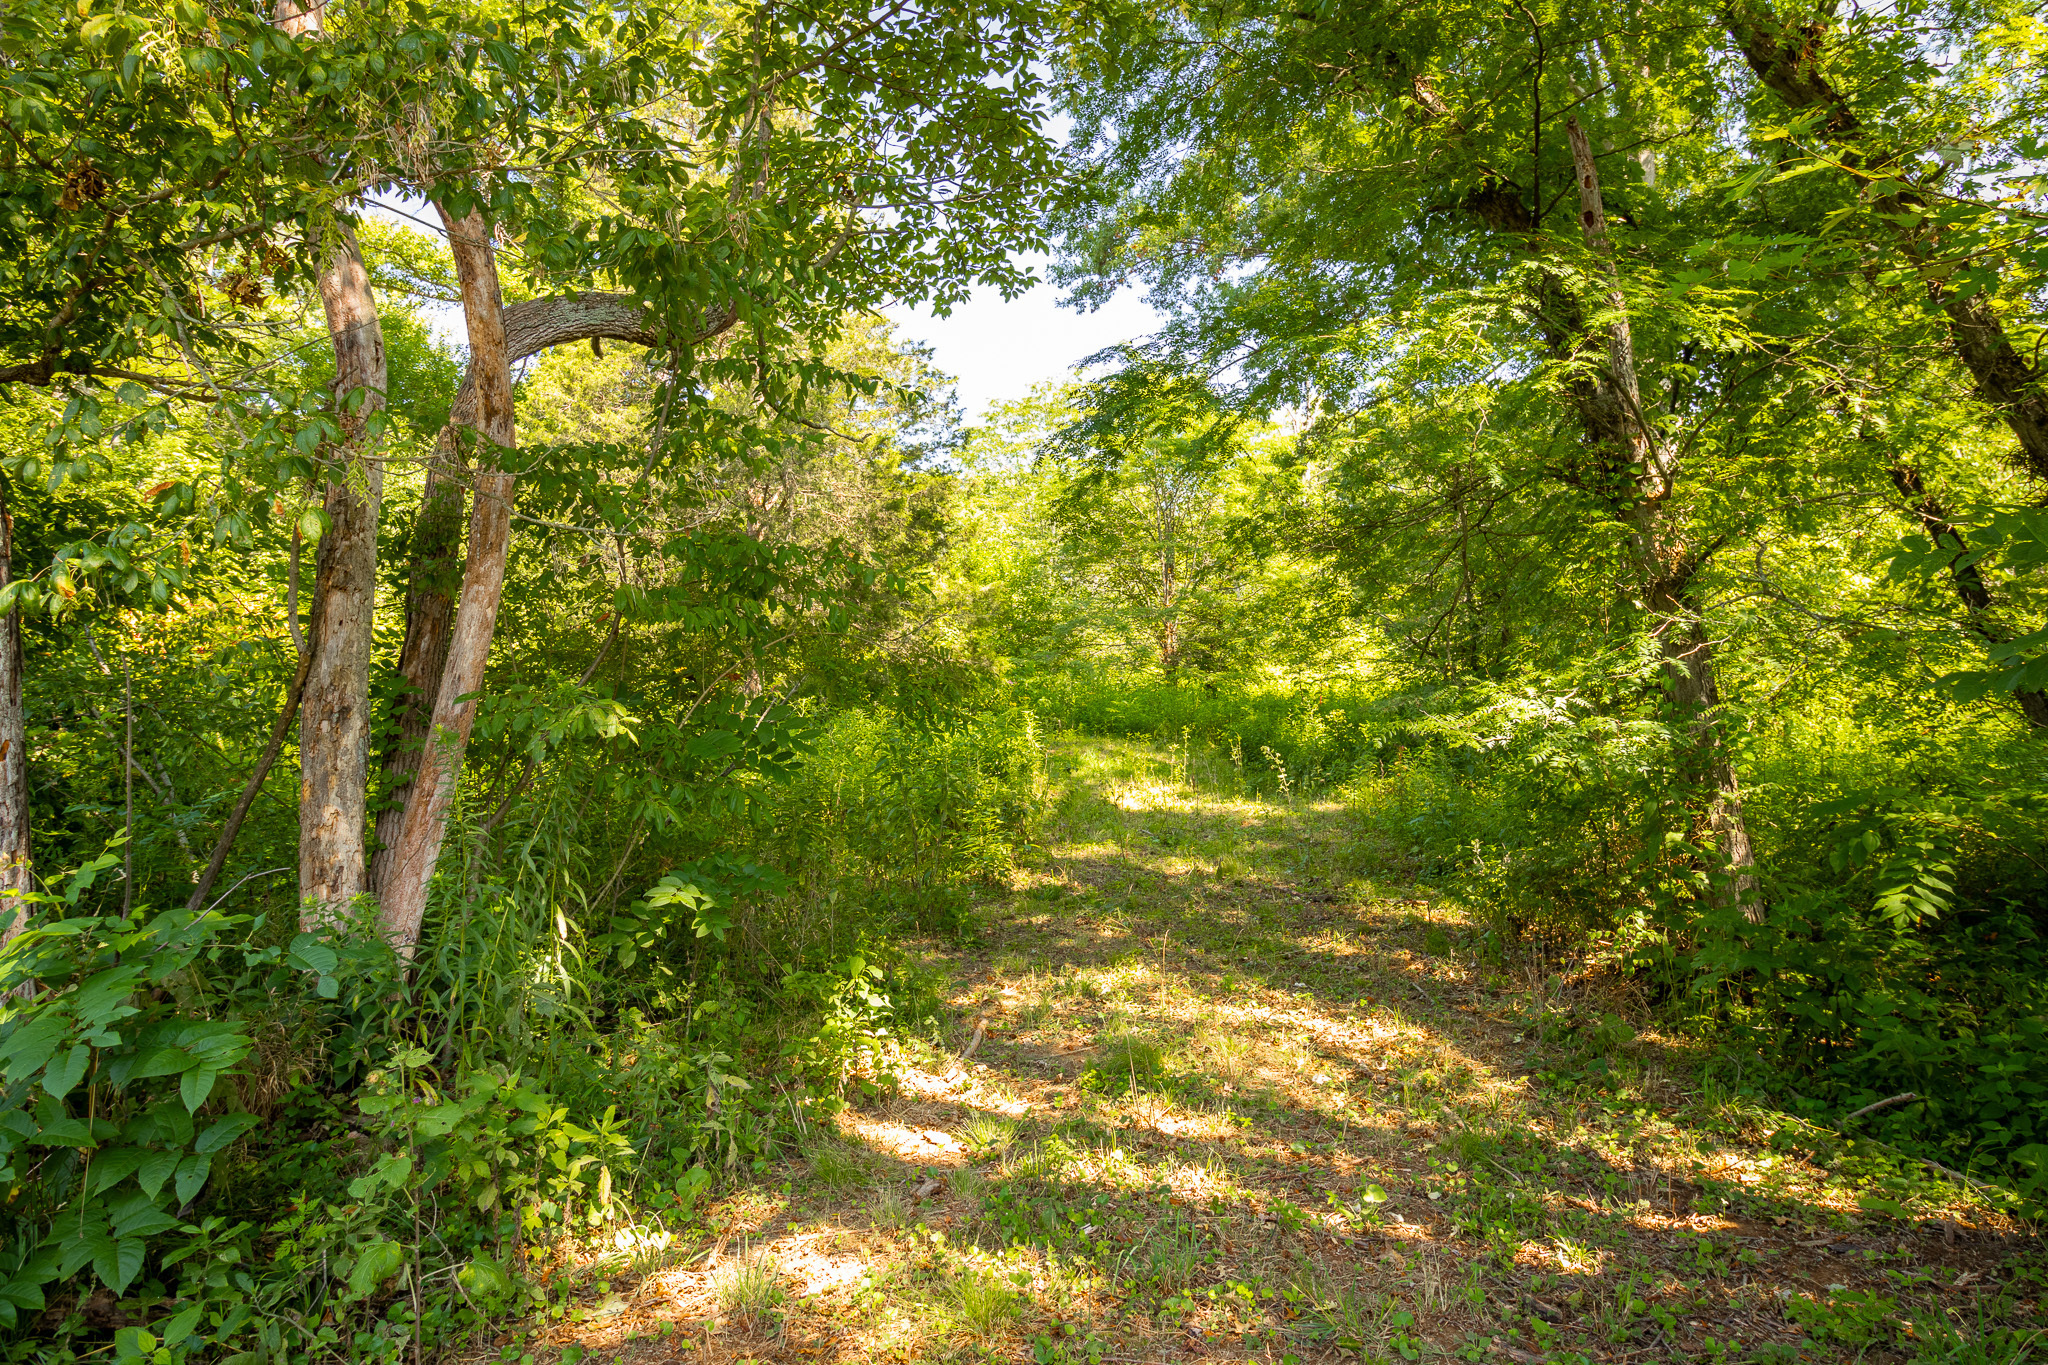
1904,936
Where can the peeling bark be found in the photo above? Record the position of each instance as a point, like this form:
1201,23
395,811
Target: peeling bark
334,703
334,711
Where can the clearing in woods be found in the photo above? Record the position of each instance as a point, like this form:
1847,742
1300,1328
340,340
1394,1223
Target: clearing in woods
1220,1088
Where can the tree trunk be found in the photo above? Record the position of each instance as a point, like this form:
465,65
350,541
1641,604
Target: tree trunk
1786,60
1971,589
1612,413
483,581
334,707
531,327
17,874
334,711
429,617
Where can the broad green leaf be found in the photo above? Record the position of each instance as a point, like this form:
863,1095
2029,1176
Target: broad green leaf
61,1077
375,1263
191,1178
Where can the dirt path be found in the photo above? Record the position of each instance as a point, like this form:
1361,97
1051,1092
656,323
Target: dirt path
1211,1093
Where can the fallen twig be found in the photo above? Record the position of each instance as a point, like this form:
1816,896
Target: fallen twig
1882,1104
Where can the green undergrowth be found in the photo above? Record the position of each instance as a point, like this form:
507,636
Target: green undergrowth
222,1138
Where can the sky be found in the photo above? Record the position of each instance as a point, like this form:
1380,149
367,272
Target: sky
998,350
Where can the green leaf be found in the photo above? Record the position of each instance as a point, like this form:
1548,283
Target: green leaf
191,1177
309,954
133,1343
222,1133
155,1169
60,1078
30,1046
376,1263
116,1260
195,1085
114,1165
183,1325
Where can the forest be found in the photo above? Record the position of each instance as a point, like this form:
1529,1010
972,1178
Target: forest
1480,793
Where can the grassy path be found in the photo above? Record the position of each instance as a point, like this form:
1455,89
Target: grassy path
1211,1094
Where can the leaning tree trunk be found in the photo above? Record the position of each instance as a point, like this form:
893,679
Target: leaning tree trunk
334,707
16,868
530,328
1611,410
1786,59
483,581
1967,580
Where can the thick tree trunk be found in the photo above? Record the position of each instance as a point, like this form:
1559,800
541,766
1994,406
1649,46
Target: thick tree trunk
1786,59
483,580
531,327
16,866
334,710
1612,413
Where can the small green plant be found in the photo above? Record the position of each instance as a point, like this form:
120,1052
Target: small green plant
1126,1063
833,1165
989,1135
750,1290
983,1306
888,1210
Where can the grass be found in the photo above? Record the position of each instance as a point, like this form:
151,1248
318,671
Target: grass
1371,1144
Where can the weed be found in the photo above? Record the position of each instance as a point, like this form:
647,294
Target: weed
750,1290
983,1305
833,1164
888,1210
1125,1063
989,1135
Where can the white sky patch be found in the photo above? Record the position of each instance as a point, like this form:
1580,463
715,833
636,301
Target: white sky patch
997,350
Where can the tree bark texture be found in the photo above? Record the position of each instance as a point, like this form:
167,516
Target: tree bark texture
531,326
334,710
482,588
1612,414
1786,59
334,700
17,876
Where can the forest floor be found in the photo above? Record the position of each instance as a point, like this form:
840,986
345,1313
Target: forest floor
1218,1089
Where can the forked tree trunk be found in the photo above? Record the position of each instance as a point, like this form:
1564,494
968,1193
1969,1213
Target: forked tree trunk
334,708
531,327
1612,413
483,580
17,876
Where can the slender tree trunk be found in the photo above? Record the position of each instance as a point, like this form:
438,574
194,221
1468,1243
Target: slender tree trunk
1971,589
334,710
334,705
429,619
17,876
1612,412
483,582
